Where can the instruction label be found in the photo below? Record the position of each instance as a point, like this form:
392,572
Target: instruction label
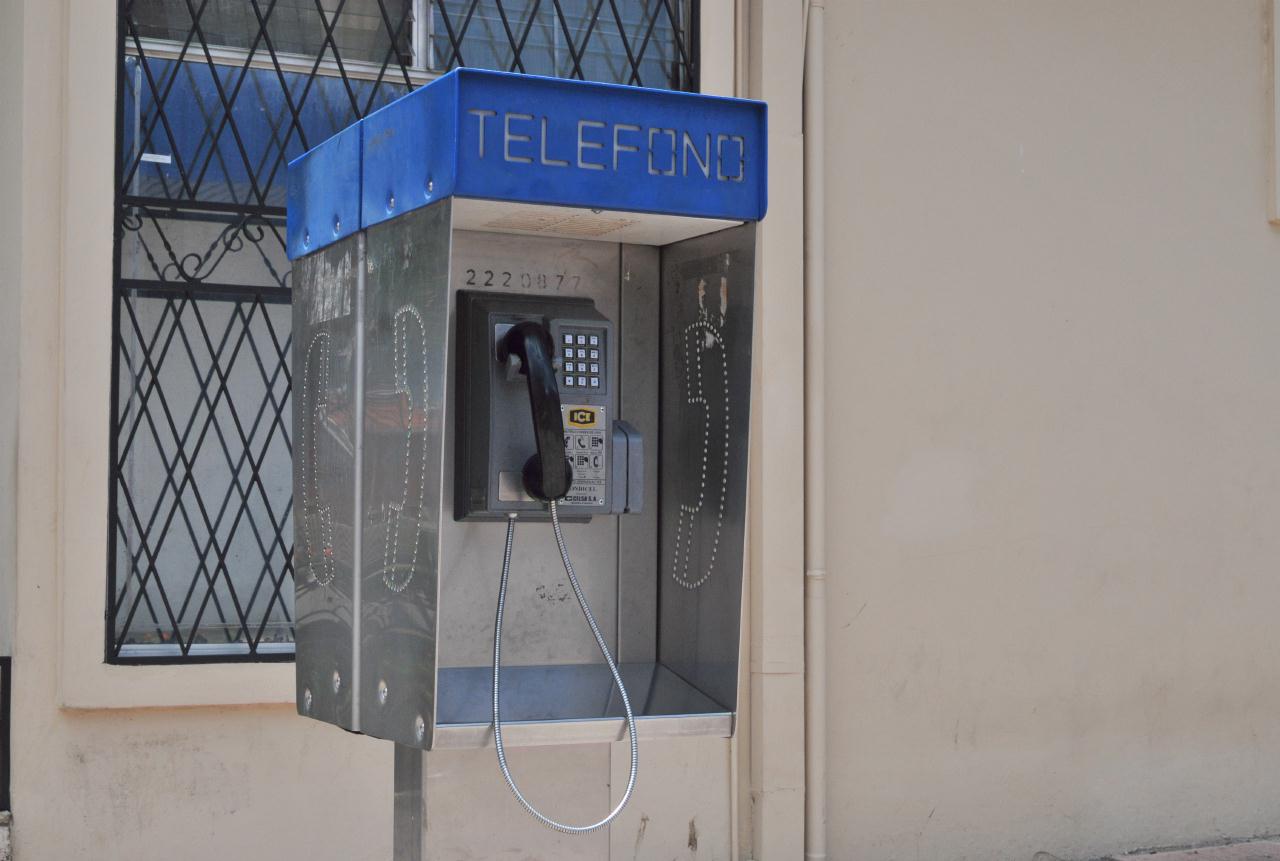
584,446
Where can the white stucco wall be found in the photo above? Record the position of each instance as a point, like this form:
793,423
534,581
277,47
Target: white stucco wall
1054,428
208,782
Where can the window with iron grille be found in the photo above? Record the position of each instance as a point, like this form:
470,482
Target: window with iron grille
214,98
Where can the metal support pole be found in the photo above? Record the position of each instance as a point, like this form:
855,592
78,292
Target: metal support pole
410,807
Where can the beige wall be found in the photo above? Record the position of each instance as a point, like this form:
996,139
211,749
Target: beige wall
1052,485
246,782
1054,428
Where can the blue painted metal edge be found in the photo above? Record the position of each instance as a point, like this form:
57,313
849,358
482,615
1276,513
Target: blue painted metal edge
410,151
324,194
530,139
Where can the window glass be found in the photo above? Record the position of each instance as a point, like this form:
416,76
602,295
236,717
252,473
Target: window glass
292,26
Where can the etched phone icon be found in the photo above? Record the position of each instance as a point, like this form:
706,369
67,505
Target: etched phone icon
317,515
403,516
704,380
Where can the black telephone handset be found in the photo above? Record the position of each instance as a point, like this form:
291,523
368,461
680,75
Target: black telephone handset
547,475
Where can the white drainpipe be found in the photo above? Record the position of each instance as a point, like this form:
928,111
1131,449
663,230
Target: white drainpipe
815,518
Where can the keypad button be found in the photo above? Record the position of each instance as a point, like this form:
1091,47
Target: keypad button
595,354
568,381
595,368
595,382
568,339
582,339
582,381
595,340
568,353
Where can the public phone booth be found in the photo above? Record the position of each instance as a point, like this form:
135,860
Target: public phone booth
520,300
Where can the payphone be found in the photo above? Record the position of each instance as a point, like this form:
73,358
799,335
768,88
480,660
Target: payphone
523,316
537,372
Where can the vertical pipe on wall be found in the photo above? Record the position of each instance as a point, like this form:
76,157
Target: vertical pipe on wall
815,557
736,749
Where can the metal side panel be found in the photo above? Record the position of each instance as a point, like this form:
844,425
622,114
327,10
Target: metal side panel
325,411
708,297
638,533
406,325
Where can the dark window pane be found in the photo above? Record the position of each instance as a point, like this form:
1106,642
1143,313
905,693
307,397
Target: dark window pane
293,26
636,43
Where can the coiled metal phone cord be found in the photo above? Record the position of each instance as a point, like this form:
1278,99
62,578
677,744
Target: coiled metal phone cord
604,650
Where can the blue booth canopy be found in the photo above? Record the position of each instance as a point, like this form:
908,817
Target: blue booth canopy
640,165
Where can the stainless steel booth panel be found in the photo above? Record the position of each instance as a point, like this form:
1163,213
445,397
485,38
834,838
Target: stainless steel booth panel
708,301
665,585
543,624
326,437
638,534
407,331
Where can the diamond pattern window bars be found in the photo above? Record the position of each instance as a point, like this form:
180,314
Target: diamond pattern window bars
214,98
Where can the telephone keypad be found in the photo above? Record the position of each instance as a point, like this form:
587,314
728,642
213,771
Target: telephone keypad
576,373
